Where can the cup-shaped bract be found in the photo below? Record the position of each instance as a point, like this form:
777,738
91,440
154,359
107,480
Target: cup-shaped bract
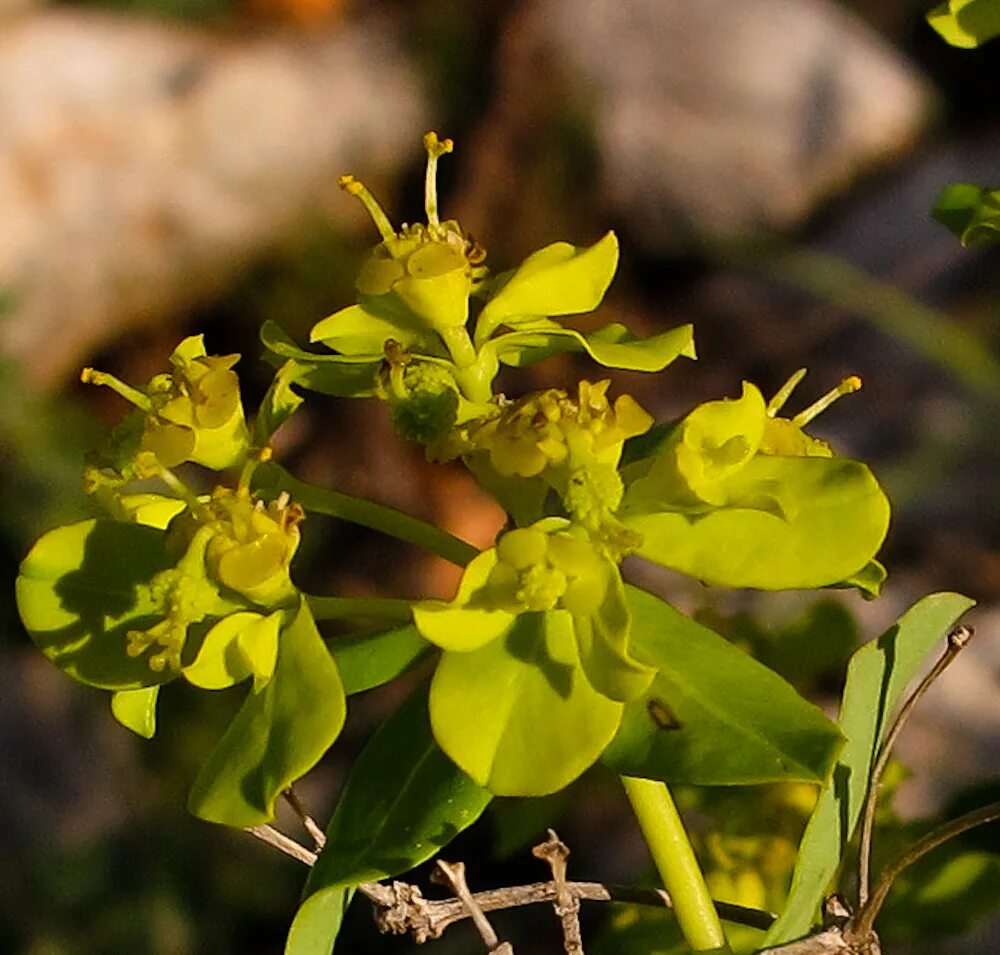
251,543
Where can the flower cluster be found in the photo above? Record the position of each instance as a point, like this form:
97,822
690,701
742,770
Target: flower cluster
550,440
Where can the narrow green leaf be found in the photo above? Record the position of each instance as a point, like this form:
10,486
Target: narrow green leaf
136,710
345,376
82,587
370,660
518,714
714,716
403,802
278,735
612,346
966,23
317,922
877,676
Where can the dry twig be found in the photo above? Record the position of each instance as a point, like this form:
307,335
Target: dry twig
305,817
454,876
567,906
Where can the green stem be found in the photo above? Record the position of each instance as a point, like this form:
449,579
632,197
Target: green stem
675,860
337,608
273,478
459,345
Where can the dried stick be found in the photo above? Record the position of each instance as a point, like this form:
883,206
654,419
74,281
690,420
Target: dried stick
567,906
402,907
305,817
282,843
454,875
957,640
428,920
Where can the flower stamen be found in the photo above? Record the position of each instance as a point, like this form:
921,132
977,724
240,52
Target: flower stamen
352,187
435,149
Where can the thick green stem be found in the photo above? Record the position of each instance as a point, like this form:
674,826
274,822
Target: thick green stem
459,345
273,478
675,860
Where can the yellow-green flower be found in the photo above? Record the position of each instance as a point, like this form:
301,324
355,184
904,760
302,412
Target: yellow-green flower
551,567
192,413
701,463
251,544
569,444
429,269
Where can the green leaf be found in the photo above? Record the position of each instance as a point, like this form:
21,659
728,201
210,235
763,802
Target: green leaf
345,376
136,710
971,212
868,581
153,510
604,640
403,802
241,645
518,714
82,587
714,716
560,279
804,522
966,23
373,659
453,625
877,676
356,331
317,922
613,346
278,405
278,735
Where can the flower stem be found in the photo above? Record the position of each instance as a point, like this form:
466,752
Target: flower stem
271,477
675,860
459,345
337,608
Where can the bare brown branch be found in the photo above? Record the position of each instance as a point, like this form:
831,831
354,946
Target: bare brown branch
567,906
282,843
454,875
305,817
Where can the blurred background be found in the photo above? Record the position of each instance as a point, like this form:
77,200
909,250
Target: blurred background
169,167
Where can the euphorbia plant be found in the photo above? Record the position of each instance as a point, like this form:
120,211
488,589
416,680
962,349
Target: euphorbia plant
547,661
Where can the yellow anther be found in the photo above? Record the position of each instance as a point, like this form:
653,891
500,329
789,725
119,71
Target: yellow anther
91,377
349,184
437,147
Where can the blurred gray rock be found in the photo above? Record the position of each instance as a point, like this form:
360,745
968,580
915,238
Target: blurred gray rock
722,117
143,163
